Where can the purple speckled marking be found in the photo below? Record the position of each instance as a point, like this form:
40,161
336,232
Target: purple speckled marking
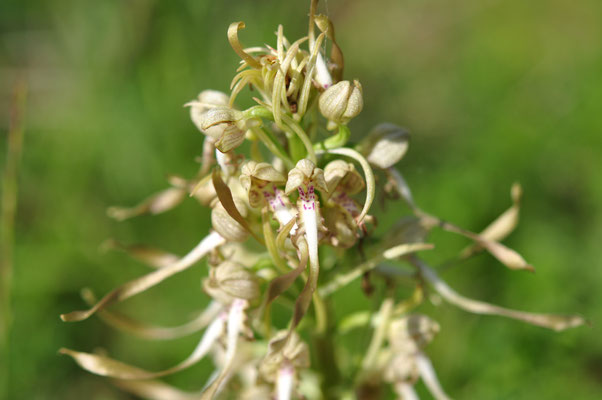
274,198
278,194
308,199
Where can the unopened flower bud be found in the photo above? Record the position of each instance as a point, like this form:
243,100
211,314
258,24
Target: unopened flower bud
342,176
230,280
293,350
342,102
255,176
305,172
225,125
225,225
385,145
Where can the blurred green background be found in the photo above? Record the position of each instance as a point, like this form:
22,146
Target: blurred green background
493,92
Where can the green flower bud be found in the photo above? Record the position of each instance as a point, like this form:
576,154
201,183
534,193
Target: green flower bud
342,102
385,145
230,280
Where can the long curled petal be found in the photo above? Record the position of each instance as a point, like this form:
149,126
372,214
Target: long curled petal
153,332
551,321
233,39
152,257
156,204
147,281
235,326
502,226
106,366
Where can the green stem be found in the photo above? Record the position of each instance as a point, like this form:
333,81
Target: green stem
270,242
258,112
326,359
296,148
338,140
291,124
273,146
321,313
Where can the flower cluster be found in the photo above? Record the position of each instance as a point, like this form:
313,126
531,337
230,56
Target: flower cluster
284,183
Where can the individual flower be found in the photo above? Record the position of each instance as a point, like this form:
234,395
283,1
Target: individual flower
259,181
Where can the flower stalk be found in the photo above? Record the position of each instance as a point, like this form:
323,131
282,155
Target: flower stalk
310,213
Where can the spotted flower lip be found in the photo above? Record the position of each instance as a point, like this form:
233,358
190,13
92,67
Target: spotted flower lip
289,206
